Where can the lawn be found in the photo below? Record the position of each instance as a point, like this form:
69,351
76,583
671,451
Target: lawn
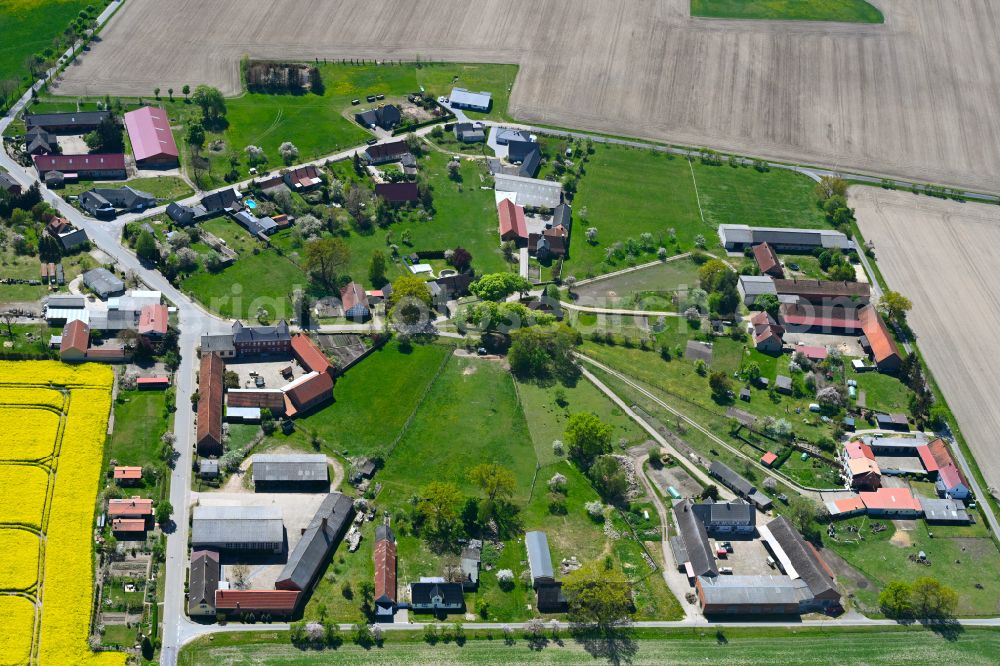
848,11
166,188
24,267
729,646
961,557
630,191
647,289
140,421
28,339
547,408
373,400
470,415
883,393
743,195
616,196
30,26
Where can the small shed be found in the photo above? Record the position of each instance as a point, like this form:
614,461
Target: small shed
208,469
783,384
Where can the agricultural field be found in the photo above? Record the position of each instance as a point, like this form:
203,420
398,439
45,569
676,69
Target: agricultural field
912,233
686,647
764,88
848,11
63,512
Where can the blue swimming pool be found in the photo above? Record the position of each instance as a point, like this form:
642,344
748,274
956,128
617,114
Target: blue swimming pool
251,204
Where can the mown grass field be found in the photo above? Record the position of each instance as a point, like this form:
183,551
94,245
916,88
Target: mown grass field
961,557
167,188
29,26
456,416
727,647
140,421
626,192
848,11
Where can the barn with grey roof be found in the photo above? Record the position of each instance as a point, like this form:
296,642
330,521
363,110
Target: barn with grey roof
294,471
313,551
238,528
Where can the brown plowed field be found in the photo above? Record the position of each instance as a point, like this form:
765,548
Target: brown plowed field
918,97
944,256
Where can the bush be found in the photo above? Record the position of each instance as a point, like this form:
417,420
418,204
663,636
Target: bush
595,510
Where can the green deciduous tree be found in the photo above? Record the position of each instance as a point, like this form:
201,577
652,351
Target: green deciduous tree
895,599
439,507
598,599
324,259
587,437
609,479
145,248
894,306
376,269
498,286
410,301
542,353
211,101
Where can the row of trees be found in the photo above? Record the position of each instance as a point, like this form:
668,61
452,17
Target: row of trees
925,597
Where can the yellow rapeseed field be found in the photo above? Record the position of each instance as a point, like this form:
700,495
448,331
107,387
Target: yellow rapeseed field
69,564
20,395
26,433
18,619
18,559
22,494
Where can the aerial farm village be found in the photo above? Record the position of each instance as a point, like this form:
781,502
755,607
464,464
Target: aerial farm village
402,342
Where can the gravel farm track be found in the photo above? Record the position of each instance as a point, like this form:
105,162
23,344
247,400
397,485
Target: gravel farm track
943,256
917,97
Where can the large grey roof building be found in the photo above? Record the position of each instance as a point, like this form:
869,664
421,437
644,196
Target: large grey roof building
739,236
751,287
103,282
281,469
252,528
799,560
313,550
465,99
764,595
690,546
539,558
530,192
203,583
739,485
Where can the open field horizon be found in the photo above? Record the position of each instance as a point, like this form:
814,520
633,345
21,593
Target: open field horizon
942,255
917,97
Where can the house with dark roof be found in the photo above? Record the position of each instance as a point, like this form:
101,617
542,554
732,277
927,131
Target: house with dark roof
210,389
185,215
313,551
455,286
470,132
397,193
255,226
355,302
767,260
739,485
203,582
552,242
430,597
39,141
944,511
800,560
383,153
526,154
275,339
78,122
385,573
9,185
69,237
738,236
218,202
690,547
751,595
223,345
385,117
303,179
824,292
727,519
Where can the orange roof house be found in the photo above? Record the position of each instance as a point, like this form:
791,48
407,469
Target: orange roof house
75,341
891,502
276,602
767,260
309,355
153,320
127,473
884,351
133,507
512,223
210,389
768,458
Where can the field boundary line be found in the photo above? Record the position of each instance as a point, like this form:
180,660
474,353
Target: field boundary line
420,403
